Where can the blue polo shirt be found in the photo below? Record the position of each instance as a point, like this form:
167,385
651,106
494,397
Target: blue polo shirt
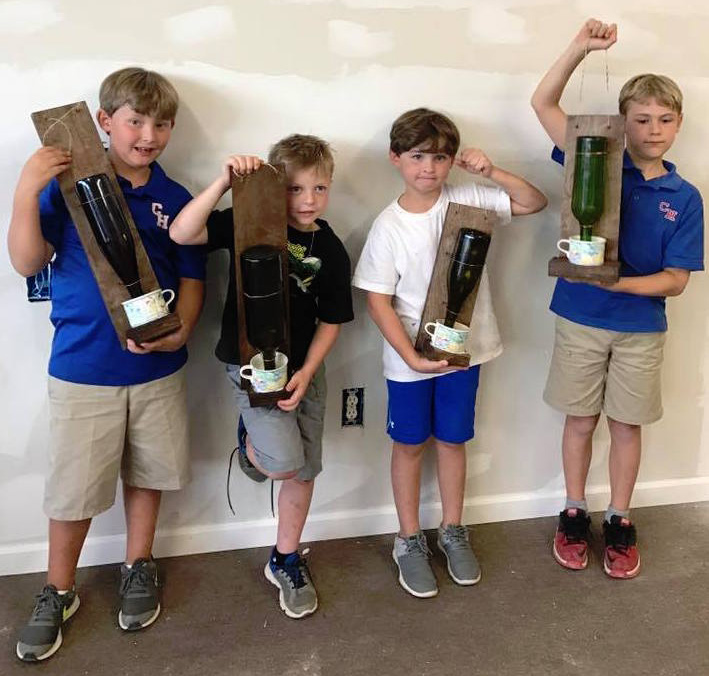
661,226
85,348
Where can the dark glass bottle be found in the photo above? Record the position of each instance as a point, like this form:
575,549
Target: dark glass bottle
110,228
465,269
262,282
589,182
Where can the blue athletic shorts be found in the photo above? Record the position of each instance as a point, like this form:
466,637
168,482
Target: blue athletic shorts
443,406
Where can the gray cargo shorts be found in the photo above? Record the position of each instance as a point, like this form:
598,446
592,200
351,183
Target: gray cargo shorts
286,441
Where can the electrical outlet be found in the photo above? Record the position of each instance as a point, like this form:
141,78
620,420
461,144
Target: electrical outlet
353,407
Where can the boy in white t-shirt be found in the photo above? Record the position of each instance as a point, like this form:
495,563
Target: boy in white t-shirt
429,398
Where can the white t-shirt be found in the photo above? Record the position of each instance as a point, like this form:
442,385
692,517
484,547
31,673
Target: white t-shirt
398,259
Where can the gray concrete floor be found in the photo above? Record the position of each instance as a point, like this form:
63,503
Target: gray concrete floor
527,616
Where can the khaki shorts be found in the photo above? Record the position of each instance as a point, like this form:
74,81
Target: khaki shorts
97,432
594,370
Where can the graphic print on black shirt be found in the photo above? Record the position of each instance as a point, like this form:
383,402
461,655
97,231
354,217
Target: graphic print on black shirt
302,266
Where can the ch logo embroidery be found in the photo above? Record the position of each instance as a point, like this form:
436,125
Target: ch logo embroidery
161,219
670,214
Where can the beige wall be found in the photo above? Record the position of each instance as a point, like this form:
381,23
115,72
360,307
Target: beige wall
251,72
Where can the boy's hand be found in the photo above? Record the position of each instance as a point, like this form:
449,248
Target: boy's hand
475,161
595,35
241,165
41,168
297,386
169,343
423,365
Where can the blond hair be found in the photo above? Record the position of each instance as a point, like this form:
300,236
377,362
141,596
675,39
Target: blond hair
650,86
145,91
426,130
301,151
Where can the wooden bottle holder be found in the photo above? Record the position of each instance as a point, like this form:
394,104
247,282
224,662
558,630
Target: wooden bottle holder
260,217
613,128
71,127
458,216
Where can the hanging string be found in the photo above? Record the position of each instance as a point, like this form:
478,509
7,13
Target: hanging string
608,87
607,78
57,121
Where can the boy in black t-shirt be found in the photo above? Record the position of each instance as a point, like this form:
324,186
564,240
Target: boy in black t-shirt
285,441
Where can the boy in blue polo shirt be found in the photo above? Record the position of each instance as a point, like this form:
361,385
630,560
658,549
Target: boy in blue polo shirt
609,338
110,410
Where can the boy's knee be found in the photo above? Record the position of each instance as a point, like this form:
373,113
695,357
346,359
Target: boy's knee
449,447
622,429
408,450
581,424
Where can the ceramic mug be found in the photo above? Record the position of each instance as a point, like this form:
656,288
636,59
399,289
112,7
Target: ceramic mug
582,252
263,380
447,338
148,307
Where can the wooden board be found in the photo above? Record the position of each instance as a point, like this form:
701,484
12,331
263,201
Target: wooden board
458,216
612,127
71,127
260,217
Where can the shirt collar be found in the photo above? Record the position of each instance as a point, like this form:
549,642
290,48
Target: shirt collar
155,184
669,181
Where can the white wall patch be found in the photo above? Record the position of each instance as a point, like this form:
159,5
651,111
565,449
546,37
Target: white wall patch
353,40
201,25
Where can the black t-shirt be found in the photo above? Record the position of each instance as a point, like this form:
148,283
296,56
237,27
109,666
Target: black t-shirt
319,285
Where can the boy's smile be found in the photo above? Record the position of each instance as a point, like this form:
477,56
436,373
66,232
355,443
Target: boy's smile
136,139
307,197
650,130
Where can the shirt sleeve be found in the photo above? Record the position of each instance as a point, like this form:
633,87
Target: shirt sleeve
488,197
220,230
376,269
685,249
53,214
335,297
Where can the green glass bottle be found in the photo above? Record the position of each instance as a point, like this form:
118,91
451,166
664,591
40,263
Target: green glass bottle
589,182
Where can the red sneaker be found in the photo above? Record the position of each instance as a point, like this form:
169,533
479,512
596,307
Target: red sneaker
621,559
571,539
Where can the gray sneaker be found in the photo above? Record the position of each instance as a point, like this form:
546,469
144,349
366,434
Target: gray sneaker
463,567
140,605
41,637
296,596
415,575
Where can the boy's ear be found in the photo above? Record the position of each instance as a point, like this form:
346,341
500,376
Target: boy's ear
394,158
104,120
680,117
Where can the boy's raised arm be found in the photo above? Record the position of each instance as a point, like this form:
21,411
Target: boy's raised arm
524,197
29,251
190,226
593,35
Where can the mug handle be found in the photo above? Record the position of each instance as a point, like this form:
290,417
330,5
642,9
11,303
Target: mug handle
243,374
425,328
170,293
562,241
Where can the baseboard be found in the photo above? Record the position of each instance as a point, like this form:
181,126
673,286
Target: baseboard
31,557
